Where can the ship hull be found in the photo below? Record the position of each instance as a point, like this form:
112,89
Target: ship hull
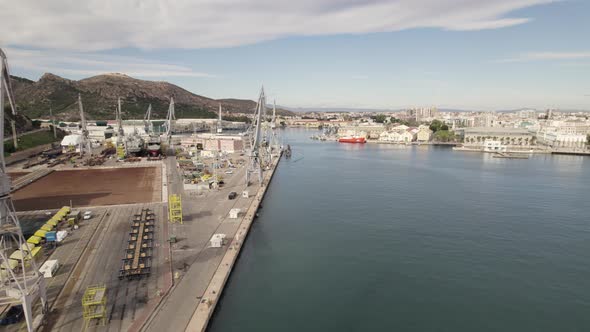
352,140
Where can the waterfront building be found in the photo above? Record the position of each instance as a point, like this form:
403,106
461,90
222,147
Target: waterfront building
390,136
409,135
493,146
400,129
424,134
368,130
506,136
311,123
561,140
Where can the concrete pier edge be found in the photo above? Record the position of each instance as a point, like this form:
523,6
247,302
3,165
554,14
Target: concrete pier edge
202,315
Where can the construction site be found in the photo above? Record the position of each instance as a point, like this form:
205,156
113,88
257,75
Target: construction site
134,232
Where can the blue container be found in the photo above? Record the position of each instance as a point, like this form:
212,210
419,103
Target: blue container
51,236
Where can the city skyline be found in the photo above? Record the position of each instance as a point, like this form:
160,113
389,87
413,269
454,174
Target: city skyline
382,54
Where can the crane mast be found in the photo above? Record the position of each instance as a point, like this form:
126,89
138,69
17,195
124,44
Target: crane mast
169,121
146,121
254,165
219,125
22,284
120,132
85,146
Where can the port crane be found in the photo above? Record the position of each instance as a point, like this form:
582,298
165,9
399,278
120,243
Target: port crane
219,124
20,280
85,146
120,144
120,131
170,117
274,148
147,121
255,163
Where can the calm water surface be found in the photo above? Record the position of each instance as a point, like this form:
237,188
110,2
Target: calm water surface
389,238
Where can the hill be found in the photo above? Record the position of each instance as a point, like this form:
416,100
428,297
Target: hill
100,93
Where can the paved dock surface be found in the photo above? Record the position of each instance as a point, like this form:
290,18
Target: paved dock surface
193,261
208,300
126,299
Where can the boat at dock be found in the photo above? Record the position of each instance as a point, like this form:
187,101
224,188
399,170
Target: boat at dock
154,145
352,139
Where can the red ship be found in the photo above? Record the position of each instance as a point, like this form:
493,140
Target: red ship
352,139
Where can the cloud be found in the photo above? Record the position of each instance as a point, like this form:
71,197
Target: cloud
92,25
543,56
88,64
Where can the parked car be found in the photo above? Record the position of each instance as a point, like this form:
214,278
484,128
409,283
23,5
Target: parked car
232,195
13,315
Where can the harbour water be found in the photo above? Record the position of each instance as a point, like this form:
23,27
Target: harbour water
393,238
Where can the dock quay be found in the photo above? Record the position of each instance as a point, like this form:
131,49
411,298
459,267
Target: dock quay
198,267
572,153
202,314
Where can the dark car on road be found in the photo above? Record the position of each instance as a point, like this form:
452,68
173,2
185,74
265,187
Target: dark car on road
232,195
12,316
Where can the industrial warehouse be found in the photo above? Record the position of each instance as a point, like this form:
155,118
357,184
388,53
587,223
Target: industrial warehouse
127,224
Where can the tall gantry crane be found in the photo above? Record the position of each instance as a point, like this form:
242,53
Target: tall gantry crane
121,145
20,280
147,121
85,146
120,131
219,124
274,138
255,162
170,117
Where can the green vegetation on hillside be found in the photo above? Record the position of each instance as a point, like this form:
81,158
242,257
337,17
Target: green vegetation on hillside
32,140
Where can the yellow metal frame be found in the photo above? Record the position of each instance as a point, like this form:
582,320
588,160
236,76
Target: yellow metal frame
94,304
121,151
175,209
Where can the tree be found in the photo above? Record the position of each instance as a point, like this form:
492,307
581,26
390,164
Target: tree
444,127
436,125
379,118
444,136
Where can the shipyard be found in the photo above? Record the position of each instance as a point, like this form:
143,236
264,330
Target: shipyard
317,166
121,225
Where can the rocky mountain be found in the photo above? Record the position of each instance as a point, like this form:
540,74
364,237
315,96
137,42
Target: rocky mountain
22,122
100,93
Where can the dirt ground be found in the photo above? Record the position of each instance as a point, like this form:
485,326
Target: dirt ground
91,188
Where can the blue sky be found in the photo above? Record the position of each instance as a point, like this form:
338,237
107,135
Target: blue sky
458,54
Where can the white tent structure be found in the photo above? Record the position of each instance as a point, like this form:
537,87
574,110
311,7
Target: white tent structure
70,141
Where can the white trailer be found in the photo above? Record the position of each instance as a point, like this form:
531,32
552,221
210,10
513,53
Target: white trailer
49,268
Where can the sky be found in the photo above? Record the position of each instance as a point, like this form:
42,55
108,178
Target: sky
386,54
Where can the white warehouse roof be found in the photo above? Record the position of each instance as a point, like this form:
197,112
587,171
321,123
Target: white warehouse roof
71,140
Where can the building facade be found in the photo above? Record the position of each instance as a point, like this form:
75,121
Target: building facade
506,136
